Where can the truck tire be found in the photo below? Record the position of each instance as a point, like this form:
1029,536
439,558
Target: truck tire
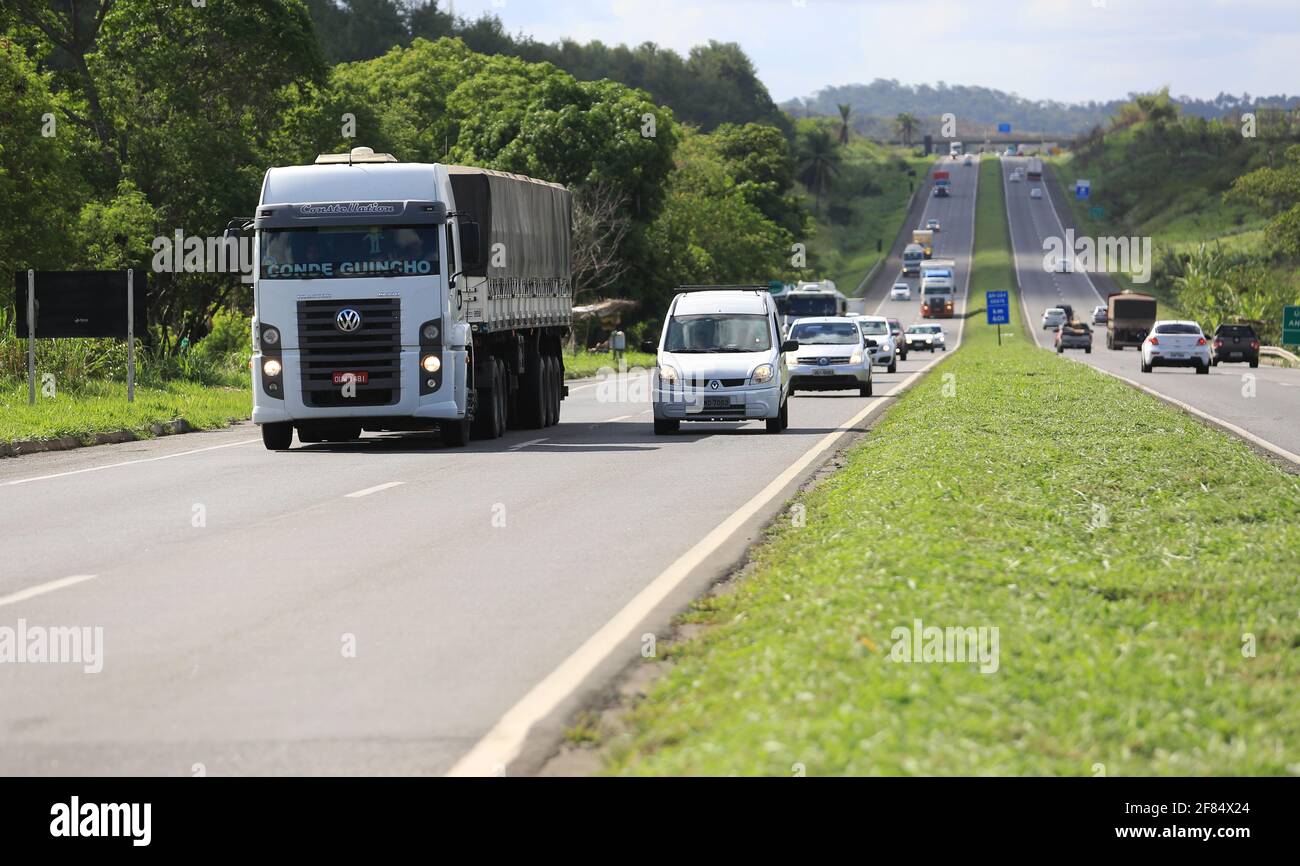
552,390
558,363
666,426
455,434
531,404
489,419
277,436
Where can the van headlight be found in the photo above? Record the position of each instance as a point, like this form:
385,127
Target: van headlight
762,373
667,374
856,358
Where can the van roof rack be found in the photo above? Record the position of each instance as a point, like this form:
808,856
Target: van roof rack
767,289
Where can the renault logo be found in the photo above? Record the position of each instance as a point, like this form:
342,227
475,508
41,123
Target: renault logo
821,362
347,320
714,385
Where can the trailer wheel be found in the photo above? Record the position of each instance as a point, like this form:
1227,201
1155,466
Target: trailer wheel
278,436
531,403
557,387
547,391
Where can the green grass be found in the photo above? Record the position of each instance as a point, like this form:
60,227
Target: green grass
1124,552
585,364
101,407
845,252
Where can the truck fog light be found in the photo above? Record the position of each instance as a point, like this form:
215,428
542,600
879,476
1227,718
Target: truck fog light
432,383
270,336
431,363
430,332
271,367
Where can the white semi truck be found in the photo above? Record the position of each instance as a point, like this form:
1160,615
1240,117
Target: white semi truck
403,296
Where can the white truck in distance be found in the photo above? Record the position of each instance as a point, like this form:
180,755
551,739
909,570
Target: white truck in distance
405,296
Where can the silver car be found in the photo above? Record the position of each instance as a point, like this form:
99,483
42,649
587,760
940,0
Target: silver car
832,355
1053,318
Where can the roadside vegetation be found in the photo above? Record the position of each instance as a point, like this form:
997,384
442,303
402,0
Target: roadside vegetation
1222,208
1139,566
582,365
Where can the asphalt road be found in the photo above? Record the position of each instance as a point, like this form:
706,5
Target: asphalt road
378,607
1267,407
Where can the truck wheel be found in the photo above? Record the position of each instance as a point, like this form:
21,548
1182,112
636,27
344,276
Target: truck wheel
663,428
277,436
487,417
503,401
558,363
532,392
552,391
455,434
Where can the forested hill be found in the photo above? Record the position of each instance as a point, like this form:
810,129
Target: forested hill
874,106
715,84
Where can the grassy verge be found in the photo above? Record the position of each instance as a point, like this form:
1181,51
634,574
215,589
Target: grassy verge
584,364
101,407
1141,570
845,249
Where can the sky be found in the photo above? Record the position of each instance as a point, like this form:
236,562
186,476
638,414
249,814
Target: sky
1067,50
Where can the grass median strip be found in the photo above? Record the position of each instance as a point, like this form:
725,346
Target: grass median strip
1140,569
102,408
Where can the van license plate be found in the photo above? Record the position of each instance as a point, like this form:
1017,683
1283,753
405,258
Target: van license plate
717,402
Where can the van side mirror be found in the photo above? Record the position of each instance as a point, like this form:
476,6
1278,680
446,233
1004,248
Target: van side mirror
790,346
867,341
650,347
471,248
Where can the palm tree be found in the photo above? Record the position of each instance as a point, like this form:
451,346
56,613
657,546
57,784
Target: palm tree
844,122
819,159
905,124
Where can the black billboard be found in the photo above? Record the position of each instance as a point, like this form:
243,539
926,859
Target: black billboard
79,303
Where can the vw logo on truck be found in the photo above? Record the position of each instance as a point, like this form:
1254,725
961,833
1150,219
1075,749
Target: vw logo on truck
347,320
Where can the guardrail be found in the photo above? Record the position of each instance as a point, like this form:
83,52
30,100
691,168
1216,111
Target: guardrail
1277,352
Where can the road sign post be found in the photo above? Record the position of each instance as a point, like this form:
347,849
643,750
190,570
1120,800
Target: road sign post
997,309
130,335
31,337
1291,325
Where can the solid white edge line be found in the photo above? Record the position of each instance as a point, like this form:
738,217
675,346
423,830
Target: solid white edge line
369,490
127,463
527,444
41,589
503,743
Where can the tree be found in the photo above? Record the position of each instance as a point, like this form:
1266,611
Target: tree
906,125
1277,191
845,110
818,160
600,224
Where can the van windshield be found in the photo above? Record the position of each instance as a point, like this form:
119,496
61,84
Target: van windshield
340,252
718,332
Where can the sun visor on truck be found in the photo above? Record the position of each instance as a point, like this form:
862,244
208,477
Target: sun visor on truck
350,213
532,220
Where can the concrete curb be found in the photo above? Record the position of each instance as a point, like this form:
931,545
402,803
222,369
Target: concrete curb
115,437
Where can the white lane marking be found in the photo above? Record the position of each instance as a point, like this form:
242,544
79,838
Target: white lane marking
503,743
41,589
526,444
375,489
127,463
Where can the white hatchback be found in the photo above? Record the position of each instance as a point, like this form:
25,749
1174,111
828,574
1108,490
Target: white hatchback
1053,318
900,292
1036,193
1176,344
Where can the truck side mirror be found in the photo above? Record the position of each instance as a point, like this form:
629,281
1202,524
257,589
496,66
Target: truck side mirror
471,252
790,346
649,347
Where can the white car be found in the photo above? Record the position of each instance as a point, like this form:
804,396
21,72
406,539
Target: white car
1053,318
932,225
1176,344
900,292
925,337
1015,176
831,356
876,329
1035,193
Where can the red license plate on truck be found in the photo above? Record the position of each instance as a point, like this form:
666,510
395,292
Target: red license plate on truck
361,377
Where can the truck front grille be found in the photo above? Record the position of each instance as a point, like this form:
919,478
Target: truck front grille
375,348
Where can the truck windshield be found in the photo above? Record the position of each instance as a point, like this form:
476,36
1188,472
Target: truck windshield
809,305
335,252
825,333
718,332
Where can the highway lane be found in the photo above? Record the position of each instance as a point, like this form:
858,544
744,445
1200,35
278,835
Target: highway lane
371,608
1264,401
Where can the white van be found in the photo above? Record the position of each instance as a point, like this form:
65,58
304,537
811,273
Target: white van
913,255
721,358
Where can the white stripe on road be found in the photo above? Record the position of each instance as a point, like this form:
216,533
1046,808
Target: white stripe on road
127,463
41,589
375,489
527,444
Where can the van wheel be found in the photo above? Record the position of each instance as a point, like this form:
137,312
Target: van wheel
663,428
277,436
785,415
865,390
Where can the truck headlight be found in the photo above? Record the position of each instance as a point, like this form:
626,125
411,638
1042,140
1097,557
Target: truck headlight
431,363
762,373
271,367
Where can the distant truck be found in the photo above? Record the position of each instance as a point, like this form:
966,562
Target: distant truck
924,238
954,149
913,256
1035,169
811,299
942,177
1129,317
937,288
